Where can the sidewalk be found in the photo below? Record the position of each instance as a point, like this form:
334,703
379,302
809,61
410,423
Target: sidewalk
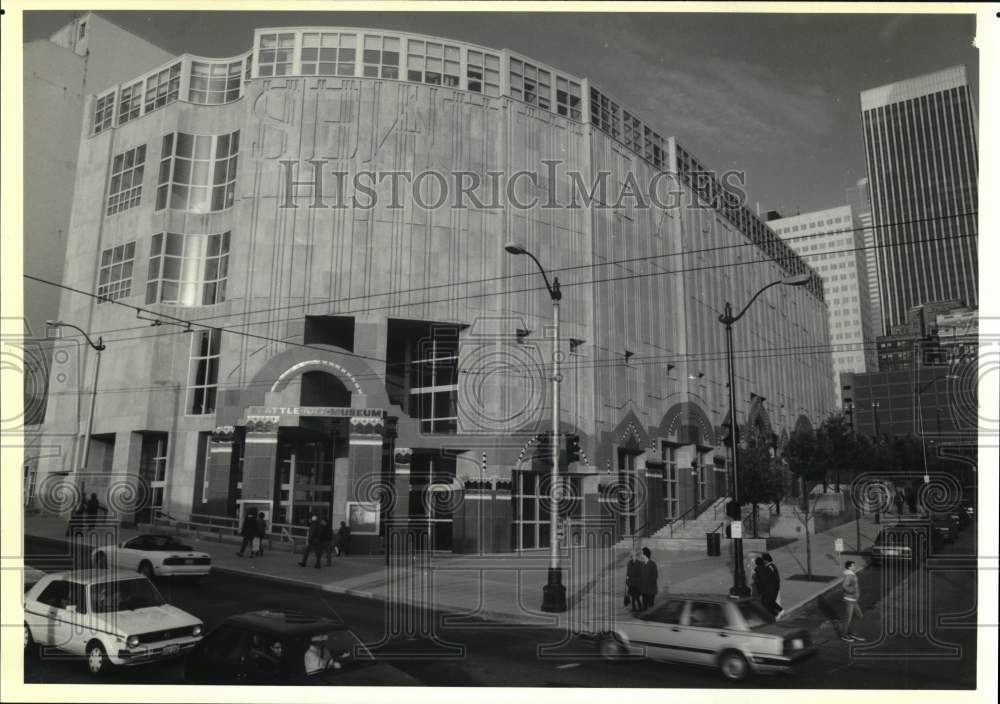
508,588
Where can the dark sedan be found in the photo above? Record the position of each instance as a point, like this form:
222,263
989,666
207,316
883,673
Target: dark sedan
287,648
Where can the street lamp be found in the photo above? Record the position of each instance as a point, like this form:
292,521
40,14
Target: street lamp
875,413
739,587
98,347
920,416
554,592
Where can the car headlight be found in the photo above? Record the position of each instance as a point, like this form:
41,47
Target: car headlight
196,631
132,641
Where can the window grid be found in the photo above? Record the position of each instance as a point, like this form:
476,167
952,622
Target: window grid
198,172
568,98
115,275
130,103
275,54
205,354
433,63
381,57
188,270
633,132
434,391
163,87
328,54
104,112
214,84
530,84
127,170
483,73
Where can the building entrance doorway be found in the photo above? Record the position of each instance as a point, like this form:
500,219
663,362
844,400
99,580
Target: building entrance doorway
305,468
628,479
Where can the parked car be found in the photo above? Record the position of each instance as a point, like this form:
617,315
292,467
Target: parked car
906,542
154,555
276,647
947,524
737,636
111,618
31,576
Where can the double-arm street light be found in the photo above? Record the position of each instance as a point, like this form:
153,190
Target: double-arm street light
739,587
554,591
82,459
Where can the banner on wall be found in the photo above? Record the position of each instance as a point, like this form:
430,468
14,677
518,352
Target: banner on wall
363,517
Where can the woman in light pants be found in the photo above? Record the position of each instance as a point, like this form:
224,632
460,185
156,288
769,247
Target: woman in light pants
852,592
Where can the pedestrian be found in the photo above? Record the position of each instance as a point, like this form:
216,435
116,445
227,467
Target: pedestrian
248,532
343,539
648,576
633,578
911,500
93,506
899,502
326,541
312,542
258,541
759,577
773,585
76,518
852,611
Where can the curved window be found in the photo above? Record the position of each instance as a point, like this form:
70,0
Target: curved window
197,172
381,57
214,84
188,270
328,54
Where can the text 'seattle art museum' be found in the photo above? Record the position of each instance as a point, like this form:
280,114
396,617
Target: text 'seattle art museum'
303,252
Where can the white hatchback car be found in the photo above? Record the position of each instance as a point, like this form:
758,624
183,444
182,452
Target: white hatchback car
154,556
737,636
111,618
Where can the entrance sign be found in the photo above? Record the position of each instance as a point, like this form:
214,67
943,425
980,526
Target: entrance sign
838,545
363,517
315,411
736,529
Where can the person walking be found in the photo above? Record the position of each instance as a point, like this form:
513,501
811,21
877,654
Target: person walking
312,542
852,611
899,501
773,585
326,541
91,509
248,532
258,541
759,577
648,575
633,578
343,539
76,518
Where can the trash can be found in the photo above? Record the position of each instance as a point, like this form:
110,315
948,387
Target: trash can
714,544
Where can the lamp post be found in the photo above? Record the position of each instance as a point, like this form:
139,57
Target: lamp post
739,587
920,416
554,591
98,347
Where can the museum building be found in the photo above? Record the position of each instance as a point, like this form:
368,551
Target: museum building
288,329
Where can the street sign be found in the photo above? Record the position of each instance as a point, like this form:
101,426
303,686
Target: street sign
838,545
736,529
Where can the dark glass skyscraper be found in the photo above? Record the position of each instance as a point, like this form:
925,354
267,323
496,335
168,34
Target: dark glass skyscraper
920,148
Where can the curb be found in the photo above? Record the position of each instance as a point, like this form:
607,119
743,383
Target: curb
816,597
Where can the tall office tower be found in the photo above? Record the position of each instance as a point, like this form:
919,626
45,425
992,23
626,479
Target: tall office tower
920,148
861,206
832,242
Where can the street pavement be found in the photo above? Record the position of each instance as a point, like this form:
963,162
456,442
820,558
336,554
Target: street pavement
473,652
507,588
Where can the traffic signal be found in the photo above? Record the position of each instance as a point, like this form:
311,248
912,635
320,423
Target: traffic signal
572,448
733,510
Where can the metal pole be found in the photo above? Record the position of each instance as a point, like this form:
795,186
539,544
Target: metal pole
90,418
554,593
739,587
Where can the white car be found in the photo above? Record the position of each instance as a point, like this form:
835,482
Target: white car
111,618
154,556
31,576
737,636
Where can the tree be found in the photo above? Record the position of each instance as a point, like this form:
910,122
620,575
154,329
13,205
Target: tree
839,449
761,481
802,456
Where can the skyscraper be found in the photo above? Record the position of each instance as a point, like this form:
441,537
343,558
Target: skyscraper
920,149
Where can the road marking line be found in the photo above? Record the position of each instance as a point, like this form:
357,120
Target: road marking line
567,666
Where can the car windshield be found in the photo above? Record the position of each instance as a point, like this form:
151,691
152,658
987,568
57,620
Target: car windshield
336,651
754,614
126,595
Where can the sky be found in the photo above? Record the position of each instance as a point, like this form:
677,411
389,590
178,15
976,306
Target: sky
775,95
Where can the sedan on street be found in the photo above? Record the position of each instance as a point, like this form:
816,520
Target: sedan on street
154,555
736,636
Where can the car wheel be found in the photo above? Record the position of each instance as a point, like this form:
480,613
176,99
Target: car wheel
30,648
101,561
146,569
733,666
610,648
97,659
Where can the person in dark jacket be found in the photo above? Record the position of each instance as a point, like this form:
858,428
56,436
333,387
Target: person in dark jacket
313,542
76,519
343,539
92,507
326,541
648,576
633,577
249,532
759,577
258,543
773,585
